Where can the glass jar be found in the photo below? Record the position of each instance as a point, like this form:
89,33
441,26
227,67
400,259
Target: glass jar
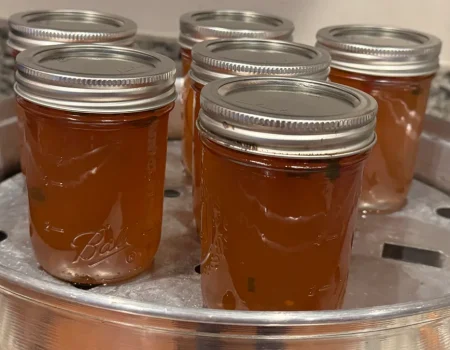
218,59
42,28
95,139
186,59
281,171
396,66
198,26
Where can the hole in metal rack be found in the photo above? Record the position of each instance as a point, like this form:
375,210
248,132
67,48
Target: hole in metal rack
83,286
444,212
3,235
413,255
197,269
171,193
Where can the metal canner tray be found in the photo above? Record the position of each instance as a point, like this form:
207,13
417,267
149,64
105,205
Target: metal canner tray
398,295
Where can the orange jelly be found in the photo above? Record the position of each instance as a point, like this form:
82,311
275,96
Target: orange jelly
217,59
198,26
281,172
401,111
42,28
396,66
95,159
186,59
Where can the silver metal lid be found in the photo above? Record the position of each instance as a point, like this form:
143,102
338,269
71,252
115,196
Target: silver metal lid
288,117
95,78
382,51
207,25
51,27
224,58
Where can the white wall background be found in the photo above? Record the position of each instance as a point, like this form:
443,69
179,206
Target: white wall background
161,17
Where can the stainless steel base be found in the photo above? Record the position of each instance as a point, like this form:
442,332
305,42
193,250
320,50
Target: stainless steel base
398,295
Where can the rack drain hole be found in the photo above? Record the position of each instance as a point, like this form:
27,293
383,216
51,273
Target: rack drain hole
3,235
197,269
83,286
413,255
171,193
444,212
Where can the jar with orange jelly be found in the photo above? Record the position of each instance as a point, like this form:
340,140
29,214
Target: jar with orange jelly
198,26
396,66
51,27
281,171
218,59
95,139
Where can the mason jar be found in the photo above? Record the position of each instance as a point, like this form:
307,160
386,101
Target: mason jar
396,66
198,26
218,59
281,171
95,127
51,27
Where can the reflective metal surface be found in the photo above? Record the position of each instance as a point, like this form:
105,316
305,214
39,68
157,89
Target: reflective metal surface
287,117
206,25
383,51
433,160
398,294
51,27
9,138
95,78
218,59
439,100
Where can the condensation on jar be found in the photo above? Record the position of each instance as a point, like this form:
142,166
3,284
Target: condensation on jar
396,66
281,171
198,26
218,59
95,127
52,27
